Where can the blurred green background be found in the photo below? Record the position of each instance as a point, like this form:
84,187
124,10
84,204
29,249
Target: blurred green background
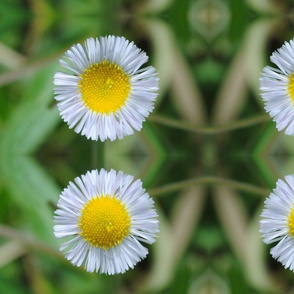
208,155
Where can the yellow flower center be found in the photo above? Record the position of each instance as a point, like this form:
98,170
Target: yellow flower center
291,86
290,221
104,221
104,87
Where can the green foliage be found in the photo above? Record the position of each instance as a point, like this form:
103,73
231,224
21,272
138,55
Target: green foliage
203,154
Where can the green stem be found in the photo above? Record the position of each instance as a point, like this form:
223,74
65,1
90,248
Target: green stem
25,70
211,130
28,241
209,180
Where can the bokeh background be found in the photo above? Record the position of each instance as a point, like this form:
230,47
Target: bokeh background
208,155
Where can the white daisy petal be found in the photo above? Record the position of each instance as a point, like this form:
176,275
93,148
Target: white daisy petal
277,86
106,94
277,222
106,215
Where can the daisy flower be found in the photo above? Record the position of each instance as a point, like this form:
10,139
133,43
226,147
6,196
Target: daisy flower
105,93
277,85
277,222
104,217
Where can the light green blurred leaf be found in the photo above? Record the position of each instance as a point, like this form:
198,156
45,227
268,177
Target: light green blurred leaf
26,129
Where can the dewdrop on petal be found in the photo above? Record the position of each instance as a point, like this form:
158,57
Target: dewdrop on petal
106,93
105,216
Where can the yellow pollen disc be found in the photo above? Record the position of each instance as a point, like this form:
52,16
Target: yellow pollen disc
104,222
104,87
291,87
290,222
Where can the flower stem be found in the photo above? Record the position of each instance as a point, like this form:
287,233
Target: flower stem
28,241
209,180
210,130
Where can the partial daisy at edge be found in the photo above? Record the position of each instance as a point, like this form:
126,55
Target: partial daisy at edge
277,222
104,92
104,217
277,88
